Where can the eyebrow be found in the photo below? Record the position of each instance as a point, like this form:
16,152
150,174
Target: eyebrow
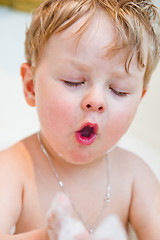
87,68
120,74
81,65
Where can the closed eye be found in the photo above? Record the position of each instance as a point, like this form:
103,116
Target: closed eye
119,93
73,84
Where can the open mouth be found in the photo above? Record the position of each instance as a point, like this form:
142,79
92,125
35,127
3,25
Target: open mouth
87,134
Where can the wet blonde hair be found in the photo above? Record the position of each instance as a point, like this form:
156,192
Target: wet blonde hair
137,22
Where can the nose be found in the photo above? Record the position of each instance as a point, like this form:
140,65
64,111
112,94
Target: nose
94,100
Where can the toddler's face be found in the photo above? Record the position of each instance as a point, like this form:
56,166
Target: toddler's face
85,101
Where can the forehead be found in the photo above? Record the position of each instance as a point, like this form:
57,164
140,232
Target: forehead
95,35
89,44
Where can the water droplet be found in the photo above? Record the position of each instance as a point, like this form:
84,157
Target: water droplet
61,183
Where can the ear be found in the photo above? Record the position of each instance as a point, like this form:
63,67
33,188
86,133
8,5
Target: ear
28,84
144,92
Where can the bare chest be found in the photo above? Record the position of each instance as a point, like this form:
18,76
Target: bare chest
88,205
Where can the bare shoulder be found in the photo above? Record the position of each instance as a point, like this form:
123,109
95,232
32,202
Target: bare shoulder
16,173
133,164
11,185
14,159
16,162
145,195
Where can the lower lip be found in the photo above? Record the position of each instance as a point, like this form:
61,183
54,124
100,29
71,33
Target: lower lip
85,140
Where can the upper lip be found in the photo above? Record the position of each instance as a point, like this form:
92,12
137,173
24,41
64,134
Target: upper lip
92,125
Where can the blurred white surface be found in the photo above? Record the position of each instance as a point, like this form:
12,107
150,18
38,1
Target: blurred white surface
18,120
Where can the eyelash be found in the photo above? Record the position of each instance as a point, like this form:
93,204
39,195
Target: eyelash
76,84
118,93
73,84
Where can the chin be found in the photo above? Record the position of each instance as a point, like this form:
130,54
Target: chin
83,157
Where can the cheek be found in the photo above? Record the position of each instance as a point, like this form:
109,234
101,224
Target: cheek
60,111
55,113
121,120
